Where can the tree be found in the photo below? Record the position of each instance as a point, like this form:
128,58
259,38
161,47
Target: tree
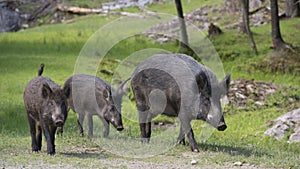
277,40
184,36
292,8
245,9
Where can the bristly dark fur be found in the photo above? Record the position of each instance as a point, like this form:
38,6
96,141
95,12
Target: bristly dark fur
46,107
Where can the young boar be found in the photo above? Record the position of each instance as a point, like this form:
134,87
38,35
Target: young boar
177,85
46,107
90,95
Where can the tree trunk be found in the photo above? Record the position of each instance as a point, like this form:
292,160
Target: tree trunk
292,8
277,40
184,36
245,4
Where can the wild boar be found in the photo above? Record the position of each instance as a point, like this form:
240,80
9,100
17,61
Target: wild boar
46,107
90,95
177,85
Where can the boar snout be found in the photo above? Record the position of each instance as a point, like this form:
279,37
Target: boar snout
59,123
117,124
58,120
120,128
222,126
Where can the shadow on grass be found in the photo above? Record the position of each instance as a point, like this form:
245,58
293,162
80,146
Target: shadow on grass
85,155
233,150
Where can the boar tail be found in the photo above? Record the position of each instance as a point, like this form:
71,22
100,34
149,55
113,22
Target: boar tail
40,72
124,82
121,89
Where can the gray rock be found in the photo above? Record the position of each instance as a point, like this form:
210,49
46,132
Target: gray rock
295,137
290,120
9,20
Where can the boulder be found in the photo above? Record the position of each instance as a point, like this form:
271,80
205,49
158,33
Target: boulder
286,122
9,20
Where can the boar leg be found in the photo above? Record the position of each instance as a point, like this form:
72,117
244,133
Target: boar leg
52,137
60,131
187,129
193,144
49,139
145,121
80,123
145,125
32,126
47,133
181,137
90,125
106,127
39,138
148,129
145,133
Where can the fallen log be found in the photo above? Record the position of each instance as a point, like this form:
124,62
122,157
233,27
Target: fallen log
78,10
86,11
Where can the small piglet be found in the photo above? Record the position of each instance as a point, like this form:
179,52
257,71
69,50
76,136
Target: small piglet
46,107
90,95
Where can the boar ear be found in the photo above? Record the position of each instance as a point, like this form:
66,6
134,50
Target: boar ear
122,88
67,91
226,82
203,83
107,93
46,91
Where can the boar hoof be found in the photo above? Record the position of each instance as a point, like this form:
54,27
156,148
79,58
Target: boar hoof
51,153
36,149
145,140
181,142
59,131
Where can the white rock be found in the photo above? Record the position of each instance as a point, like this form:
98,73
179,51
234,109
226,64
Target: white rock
249,87
238,163
294,138
239,95
193,162
259,103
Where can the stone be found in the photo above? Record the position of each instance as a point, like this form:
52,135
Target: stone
239,95
294,138
193,162
9,20
238,163
249,87
259,103
289,120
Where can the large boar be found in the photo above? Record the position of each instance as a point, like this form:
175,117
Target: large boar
46,107
90,95
177,85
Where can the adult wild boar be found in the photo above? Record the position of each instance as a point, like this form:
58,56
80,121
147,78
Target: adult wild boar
177,85
90,95
46,107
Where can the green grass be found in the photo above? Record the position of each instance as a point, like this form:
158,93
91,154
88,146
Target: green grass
58,46
85,4
187,5
237,56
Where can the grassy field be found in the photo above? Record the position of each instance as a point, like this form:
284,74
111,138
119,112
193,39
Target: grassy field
58,47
